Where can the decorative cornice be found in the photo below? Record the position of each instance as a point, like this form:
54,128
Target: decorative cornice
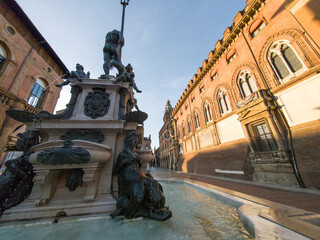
14,6
213,56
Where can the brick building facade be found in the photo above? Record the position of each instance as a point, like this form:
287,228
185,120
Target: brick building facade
156,153
28,67
252,110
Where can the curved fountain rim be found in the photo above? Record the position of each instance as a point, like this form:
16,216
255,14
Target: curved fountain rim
250,213
143,151
76,143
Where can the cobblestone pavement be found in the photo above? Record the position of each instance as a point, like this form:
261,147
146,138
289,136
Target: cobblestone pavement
305,199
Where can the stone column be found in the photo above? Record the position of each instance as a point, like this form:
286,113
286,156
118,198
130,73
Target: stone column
246,133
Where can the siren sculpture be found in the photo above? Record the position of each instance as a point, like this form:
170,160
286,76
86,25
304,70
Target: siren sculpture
16,181
126,74
78,74
139,195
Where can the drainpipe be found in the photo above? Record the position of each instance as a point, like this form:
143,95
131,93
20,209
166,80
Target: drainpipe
294,160
22,64
254,57
306,32
17,74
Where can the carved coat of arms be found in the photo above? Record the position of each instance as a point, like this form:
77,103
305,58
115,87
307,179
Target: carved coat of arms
97,103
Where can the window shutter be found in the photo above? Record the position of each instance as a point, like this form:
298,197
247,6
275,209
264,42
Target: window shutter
210,115
255,25
3,55
292,59
279,66
205,113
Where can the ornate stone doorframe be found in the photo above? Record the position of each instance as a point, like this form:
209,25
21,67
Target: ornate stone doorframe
270,155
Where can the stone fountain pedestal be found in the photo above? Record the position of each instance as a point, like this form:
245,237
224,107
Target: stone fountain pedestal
146,156
92,122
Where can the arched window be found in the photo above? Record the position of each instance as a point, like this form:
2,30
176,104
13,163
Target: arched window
207,112
223,102
246,83
284,61
183,130
189,125
37,93
3,55
178,132
196,119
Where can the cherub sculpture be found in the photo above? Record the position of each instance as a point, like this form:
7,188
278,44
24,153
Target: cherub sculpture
125,74
78,74
17,180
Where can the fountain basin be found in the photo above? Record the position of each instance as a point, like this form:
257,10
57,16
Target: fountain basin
136,116
48,173
146,156
199,212
98,152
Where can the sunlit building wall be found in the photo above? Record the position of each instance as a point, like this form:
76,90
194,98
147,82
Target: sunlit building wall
252,109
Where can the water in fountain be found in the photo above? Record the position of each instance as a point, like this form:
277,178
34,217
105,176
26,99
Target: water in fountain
197,215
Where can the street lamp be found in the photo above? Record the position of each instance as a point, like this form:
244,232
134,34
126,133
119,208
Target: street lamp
124,3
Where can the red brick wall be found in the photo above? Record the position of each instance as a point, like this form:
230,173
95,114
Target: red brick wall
232,156
306,144
26,54
35,66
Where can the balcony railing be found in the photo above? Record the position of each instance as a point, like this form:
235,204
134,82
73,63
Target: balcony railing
6,98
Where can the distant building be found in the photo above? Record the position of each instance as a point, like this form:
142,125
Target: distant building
252,109
28,68
168,150
146,143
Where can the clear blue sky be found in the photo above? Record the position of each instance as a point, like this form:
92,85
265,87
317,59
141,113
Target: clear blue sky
165,41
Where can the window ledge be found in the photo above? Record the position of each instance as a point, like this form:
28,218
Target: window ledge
298,78
226,115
